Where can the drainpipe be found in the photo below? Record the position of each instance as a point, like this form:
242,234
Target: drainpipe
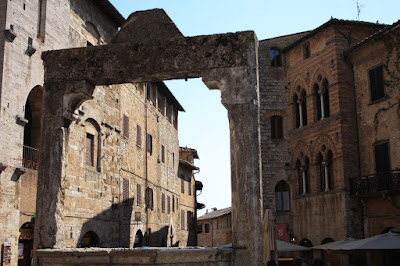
145,161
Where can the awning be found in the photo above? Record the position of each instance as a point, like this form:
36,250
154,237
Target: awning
333,245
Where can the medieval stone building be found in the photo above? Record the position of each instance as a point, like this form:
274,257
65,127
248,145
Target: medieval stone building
121,185
329,114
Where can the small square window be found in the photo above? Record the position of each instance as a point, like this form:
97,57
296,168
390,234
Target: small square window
275,57
306,51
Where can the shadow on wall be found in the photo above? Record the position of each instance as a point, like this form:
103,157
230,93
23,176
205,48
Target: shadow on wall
109,229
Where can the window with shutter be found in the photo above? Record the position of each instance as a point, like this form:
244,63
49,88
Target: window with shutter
190,188
89,149
168,204
126,126
149,144
182,184
163,153
182,220
162,203
125,190
139,194
138,136
376,83
189,220
173,203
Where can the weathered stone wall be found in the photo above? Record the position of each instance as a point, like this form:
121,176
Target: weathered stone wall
275,152
220,233
21,71
378,122
194,256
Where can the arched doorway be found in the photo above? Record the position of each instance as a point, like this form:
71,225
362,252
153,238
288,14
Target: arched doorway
138,239
90,239
31,142
25,244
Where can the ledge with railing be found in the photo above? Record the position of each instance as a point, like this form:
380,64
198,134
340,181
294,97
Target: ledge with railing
367,185
30,158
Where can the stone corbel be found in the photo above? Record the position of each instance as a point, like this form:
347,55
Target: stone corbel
3,166
22,121
18,172
10,35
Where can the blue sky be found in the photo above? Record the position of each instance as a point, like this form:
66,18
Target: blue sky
204,126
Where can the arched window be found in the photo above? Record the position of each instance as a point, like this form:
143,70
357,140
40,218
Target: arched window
329,166
138,239
325,96
282,196
299,174
90,239
93,145
325,171
296,111
317,101
303,113
33,113
321,171
276,127
307,175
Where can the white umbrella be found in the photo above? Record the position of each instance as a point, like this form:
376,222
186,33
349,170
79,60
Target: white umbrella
389,240
283,246
334,245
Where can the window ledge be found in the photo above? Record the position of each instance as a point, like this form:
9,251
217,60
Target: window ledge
379,100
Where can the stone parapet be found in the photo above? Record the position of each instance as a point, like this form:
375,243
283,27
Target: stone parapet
140,256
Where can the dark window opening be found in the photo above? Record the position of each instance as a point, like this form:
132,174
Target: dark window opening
162,153
325,95
182,184
149,144
307,174
138,136
189,220
382,157
199,228
282,196
306,51
162,203
206,228
90,239
149,199
304,107
321,167
190,188
318,101
149,96
296,110
89,149
275,57
376,83
299,177
139,194
182,220
168,204
138,239
276,127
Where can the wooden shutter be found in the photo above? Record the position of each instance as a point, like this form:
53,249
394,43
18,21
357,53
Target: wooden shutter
168,204
89,149
182,220
162,203
125,190
376,83
139,194
126,126
163,153
138,136
382,158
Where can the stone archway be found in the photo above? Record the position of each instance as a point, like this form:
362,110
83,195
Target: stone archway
153,49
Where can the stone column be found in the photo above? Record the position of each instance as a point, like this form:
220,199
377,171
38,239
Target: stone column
60,102
240,96
300,112
303,179
326,176
321,98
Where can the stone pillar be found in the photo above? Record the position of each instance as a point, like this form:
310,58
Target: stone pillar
240,96
60,102
326,172
321,98
300,112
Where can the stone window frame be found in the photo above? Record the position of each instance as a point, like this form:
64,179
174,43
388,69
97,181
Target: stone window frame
300,108
92,128
322,101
